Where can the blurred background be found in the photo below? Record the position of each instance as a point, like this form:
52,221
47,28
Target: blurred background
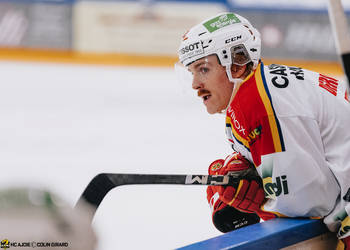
89,87
132,32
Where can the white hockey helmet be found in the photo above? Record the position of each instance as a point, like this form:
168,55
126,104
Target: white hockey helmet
227,35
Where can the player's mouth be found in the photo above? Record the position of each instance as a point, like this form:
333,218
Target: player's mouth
204,94
206,98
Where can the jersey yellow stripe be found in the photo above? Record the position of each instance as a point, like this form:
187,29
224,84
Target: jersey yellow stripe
274,212
269,110
235,134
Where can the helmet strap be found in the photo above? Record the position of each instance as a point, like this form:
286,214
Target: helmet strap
235,81
229,75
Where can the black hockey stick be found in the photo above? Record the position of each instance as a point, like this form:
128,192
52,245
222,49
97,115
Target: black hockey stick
101,184
341,33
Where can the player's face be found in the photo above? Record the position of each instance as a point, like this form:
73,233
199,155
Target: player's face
211,83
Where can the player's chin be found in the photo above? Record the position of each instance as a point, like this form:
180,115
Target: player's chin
212,109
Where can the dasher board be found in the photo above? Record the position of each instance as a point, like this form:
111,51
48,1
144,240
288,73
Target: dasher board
273,234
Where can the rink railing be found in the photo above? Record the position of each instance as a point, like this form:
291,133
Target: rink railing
274,234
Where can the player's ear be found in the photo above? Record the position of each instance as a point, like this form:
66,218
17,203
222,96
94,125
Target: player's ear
237,71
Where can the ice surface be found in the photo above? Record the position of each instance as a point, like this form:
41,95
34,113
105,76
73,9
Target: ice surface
63,124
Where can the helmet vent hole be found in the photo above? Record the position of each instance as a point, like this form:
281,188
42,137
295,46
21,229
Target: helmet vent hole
210,41
202,33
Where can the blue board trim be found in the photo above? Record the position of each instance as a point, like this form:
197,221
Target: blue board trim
38,1
269,235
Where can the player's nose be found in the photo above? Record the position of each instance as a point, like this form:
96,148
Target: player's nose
197,83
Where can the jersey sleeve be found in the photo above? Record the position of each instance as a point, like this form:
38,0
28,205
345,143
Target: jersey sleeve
288,153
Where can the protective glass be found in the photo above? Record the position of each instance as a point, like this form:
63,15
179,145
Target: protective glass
240,55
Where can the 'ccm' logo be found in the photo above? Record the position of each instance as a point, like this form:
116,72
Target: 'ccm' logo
190,47
232,39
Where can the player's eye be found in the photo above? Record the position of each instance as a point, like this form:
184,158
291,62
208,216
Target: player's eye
203,70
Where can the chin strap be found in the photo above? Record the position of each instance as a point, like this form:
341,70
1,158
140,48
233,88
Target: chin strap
235,81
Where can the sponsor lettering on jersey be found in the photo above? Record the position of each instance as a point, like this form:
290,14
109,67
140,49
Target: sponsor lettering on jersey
254,134
272,189
234,120
297,72
234,137
280,79
328,83
282,72
275,189
235,130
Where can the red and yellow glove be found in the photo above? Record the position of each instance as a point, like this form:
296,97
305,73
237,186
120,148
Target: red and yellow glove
226,218
249,195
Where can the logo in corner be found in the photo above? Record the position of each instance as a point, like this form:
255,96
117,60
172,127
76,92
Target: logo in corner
5,244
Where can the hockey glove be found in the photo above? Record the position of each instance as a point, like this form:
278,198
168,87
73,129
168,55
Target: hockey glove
226,218
248,195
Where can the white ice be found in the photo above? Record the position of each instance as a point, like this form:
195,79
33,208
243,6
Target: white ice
60,125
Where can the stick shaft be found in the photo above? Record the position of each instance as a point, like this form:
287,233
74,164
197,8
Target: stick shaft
339,26
101,184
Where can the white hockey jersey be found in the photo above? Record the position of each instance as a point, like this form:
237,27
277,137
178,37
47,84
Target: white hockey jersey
293,124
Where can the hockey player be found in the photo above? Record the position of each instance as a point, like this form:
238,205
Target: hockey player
287,124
